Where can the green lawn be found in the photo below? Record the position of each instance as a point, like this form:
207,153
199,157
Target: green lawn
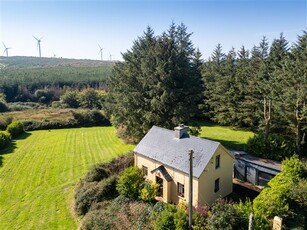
230,137
39,171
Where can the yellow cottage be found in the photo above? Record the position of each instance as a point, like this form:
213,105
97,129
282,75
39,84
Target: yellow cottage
163,156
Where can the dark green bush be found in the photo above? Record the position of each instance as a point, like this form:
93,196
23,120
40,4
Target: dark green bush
98,220
97,173
90,118
89,193
3,106
223,216
4,139
275,147
15,128
44,125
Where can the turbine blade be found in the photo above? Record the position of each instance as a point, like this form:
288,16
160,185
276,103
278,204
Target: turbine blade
41,38
99,46
4,45
35,37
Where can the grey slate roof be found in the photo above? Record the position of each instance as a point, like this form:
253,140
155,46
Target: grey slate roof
161,145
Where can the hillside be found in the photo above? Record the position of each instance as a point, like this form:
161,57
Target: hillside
20,62
20,77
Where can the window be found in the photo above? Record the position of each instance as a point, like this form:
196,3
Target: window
145,170
217,185
217,161
180,189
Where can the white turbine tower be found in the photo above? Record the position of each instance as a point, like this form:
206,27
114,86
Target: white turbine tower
110,56
6,50
100,52
39,45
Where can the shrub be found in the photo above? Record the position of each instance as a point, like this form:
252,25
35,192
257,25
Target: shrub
97,173
275,147
181,220
200,215
130,182
90,99
4,139
149,192
15,128
89,118
133,215
98,219
89,193
70,98
276,198
223,216
165,220
3,106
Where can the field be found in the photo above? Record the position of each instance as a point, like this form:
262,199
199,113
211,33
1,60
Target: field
231,138
39,171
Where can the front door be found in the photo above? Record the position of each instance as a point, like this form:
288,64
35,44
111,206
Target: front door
159,181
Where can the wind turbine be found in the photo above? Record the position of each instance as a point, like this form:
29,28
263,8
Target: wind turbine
100,52
6,50
110,56
39,45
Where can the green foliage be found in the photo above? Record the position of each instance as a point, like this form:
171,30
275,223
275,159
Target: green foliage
15,128
181,220
70,98
223,216
167,216
4,139
90,118
273,147
130,182
97,173
299,194
133,215
165,220
3,106
200,215
156,84
195,130
89,193
275,199
149,192
90,99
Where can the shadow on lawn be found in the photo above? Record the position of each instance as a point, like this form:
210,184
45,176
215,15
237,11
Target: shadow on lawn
231,145
11,147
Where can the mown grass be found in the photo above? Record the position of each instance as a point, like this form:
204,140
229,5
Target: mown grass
230,137
39,172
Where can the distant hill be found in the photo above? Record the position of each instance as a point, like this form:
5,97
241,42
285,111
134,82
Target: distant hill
17,62
20,77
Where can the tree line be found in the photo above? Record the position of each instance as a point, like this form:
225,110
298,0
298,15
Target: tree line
163,81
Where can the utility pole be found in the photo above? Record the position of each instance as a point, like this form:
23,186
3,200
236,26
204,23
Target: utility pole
191,189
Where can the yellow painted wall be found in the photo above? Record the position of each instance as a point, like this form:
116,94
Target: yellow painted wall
207,179
203,192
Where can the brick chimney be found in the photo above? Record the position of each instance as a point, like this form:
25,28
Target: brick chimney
181,131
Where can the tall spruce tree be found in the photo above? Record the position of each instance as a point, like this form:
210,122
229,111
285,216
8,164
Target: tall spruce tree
293,98
157,84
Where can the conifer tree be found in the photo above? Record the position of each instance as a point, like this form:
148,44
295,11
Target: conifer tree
159,83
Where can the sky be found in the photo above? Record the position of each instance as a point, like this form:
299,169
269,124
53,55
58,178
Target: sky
74,28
